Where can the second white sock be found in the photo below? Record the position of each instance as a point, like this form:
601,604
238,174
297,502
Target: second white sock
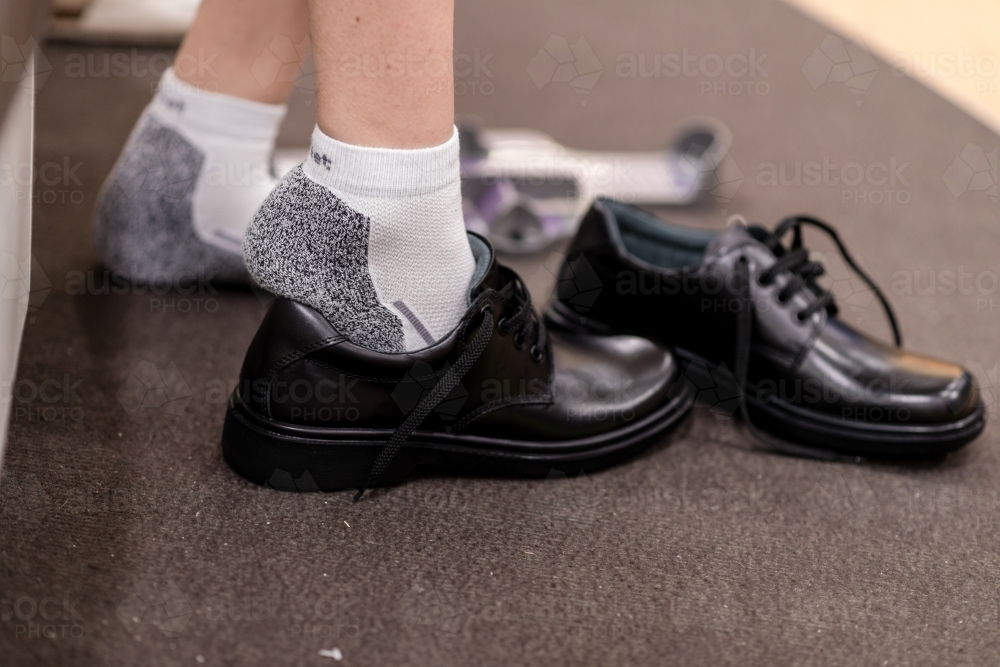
236,137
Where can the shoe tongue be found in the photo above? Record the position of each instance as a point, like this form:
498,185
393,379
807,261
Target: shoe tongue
735,235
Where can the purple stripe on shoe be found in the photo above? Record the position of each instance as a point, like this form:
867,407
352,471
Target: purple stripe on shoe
417,324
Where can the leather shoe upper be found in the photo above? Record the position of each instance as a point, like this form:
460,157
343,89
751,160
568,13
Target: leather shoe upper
627,271
525,385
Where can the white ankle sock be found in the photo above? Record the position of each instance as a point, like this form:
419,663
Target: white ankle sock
418,254
373,238
236,137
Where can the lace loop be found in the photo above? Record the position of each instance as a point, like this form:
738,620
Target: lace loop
524,322
795,259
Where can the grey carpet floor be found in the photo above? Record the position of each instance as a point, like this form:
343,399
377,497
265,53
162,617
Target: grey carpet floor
125,539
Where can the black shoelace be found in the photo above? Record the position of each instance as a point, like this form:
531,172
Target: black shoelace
525,322
794,261
526,325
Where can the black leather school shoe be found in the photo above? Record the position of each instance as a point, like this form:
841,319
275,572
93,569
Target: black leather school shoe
498,395
748,321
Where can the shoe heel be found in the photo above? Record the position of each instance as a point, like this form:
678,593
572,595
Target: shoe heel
291,463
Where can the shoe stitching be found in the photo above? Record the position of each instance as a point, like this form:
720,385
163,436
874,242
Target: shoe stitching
334,369
289,358
535,399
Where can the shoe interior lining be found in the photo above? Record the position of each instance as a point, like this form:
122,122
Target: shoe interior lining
658,242
482,255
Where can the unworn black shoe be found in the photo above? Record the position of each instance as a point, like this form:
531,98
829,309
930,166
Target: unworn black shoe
752,328
497,395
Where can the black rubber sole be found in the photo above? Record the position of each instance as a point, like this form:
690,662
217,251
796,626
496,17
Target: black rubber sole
867,439
303,458
843,436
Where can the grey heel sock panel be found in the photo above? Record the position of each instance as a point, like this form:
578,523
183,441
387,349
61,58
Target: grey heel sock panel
307,245
143,222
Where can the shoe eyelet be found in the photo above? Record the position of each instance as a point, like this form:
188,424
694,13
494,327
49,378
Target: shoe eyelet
519,340
800,319
502,326
536,353
488,308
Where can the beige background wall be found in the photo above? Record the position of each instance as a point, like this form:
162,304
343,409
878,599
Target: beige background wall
952,46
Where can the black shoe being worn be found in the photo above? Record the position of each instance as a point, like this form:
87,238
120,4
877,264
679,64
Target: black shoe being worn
499,395
750,324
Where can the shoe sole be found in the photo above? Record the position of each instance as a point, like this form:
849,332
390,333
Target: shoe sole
306,458
808,427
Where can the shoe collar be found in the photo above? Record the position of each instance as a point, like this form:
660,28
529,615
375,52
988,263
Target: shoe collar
709,244
487,272
616,215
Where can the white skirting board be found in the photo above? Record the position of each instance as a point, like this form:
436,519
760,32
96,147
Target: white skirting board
16,169
146,22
